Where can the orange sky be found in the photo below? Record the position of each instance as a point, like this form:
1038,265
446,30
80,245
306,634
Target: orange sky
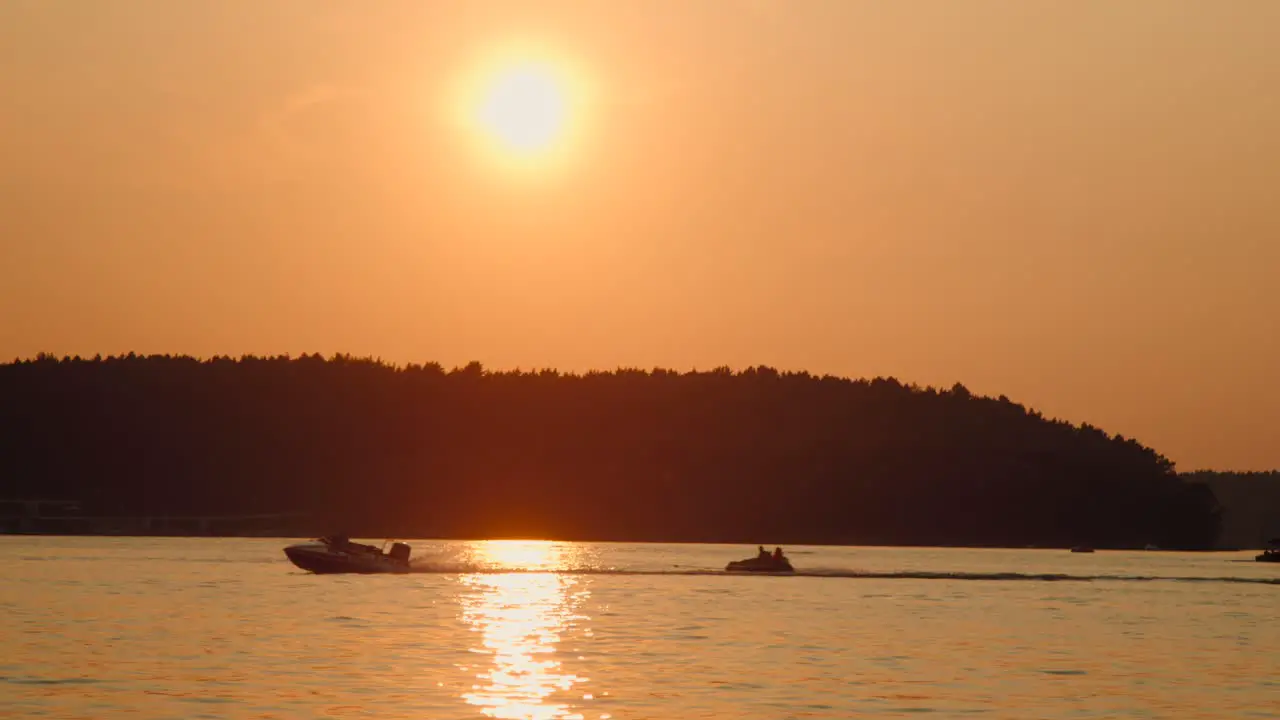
1071,203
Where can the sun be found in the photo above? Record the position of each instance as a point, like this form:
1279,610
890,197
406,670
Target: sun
524,108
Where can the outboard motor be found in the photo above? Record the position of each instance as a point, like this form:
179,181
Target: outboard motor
399,551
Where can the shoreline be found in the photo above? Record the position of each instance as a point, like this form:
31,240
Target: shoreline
273,536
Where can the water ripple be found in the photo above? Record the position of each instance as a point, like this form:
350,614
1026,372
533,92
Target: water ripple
169,628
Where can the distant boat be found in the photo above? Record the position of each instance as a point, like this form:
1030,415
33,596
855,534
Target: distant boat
337,554
1271,554
1082,549
1150,546
761,564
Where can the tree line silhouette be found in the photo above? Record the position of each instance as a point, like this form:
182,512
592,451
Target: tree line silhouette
751,456
1250,504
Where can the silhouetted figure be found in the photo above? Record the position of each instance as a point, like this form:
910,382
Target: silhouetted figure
764,562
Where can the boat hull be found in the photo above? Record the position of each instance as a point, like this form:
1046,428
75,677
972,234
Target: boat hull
321,560
757,565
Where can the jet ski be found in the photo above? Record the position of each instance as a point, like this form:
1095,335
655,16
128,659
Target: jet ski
337,554
761,564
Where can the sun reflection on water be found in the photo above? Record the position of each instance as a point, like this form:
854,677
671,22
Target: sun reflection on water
521,619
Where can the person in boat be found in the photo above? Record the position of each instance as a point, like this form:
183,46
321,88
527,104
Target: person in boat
763,554
777,554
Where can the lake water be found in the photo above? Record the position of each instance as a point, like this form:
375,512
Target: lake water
227,628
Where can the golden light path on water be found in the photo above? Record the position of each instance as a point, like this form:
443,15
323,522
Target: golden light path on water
521,619
163,628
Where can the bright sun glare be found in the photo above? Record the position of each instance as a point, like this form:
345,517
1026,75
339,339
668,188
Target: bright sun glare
524,108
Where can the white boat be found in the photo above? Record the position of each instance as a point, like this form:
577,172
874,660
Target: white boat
337,554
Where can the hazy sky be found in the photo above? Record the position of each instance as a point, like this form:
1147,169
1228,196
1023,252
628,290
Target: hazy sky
1071,203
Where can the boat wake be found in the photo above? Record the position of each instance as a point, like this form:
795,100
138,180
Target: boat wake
449,567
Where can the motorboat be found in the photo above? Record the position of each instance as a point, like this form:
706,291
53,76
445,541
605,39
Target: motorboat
1271,554
762,564
337,554
1082,549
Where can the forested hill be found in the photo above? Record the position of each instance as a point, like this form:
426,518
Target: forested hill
1250,505
752,456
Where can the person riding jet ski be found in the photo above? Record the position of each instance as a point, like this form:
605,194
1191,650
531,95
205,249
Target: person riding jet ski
763,562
